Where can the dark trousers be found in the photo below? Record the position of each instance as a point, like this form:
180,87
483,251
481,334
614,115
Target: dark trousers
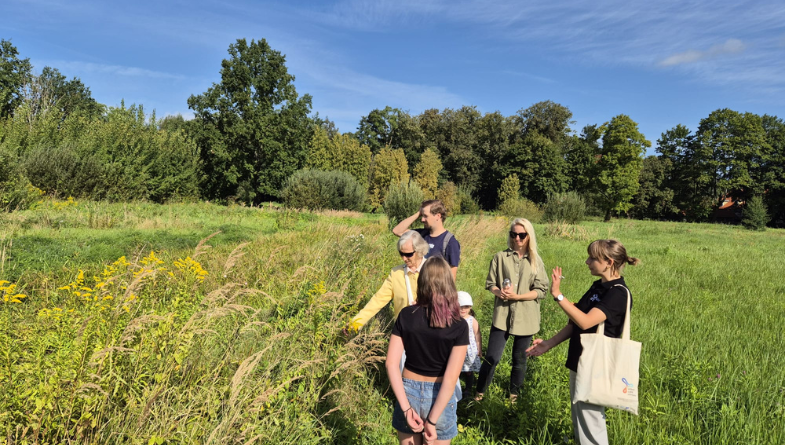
496,342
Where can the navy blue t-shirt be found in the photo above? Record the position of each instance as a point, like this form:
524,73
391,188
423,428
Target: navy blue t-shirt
453,253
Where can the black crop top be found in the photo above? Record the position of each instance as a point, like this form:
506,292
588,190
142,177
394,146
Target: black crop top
428,349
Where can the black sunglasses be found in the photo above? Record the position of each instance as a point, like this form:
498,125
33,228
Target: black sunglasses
521,235
407,254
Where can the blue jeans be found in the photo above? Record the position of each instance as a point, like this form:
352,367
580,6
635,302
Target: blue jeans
422,396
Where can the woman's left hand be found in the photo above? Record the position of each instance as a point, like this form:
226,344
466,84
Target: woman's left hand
429,433
556,277
414,421
507,294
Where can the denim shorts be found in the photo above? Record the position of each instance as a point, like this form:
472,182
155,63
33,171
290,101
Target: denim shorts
422,396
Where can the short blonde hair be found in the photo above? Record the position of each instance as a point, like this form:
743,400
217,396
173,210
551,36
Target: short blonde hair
534,256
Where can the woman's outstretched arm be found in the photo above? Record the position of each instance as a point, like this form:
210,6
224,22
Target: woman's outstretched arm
540,346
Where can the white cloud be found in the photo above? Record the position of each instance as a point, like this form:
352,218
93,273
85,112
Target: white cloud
81,68
731,46
650,35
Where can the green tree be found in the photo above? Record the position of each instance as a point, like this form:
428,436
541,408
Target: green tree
52,92
252,128
655,197
173,124
620,164
377,129
350,156
580,156
426,173
732,146
454,134
545,168
318,157
494,133
14,74
340,152
688,175
756,215
388,167
774,168
546,118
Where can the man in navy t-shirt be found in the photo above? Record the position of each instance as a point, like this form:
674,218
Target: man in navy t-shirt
442,243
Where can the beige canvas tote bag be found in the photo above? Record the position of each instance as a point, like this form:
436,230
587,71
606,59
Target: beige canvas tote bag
608,368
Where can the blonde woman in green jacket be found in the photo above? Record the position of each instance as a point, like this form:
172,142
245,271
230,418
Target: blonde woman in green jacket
518,280
401,285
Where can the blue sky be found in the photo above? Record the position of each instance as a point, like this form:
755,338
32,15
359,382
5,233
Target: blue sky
662,63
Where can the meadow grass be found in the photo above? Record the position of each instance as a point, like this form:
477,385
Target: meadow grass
237,338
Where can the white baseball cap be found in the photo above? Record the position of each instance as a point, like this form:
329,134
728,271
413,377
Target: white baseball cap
464,299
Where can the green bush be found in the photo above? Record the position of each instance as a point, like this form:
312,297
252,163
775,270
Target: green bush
521,208
448,195
509,189
567,207
402,200
756,215
16,192
469,205
316,189
61,171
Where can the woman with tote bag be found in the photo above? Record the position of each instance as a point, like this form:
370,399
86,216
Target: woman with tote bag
607,301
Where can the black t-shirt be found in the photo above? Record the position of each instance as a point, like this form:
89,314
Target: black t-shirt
610,299
453,252
428,349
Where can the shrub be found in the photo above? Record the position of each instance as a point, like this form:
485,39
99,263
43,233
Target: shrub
16,192
567,207
448,194
756,215
469,205
316,189
521,208
61,171
509,189
403,200
558,229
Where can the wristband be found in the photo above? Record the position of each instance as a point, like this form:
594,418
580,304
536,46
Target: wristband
428,419
407,410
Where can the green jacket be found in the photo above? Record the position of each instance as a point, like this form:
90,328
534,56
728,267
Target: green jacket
517,317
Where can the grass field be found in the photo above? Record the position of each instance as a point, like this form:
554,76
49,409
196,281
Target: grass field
236,339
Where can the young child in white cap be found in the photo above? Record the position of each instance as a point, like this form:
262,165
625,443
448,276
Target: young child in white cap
473,358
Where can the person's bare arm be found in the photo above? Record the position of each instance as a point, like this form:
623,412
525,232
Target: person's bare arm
477,336
540,346
404,225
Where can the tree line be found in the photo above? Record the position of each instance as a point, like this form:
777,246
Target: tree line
252,132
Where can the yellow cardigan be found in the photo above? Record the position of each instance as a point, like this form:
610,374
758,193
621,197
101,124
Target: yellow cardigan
394,288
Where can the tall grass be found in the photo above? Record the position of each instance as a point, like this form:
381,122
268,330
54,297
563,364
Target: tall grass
237,339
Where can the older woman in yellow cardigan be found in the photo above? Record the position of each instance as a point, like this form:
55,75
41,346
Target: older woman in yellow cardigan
401,285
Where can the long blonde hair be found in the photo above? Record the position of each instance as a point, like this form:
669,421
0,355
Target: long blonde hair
534,255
